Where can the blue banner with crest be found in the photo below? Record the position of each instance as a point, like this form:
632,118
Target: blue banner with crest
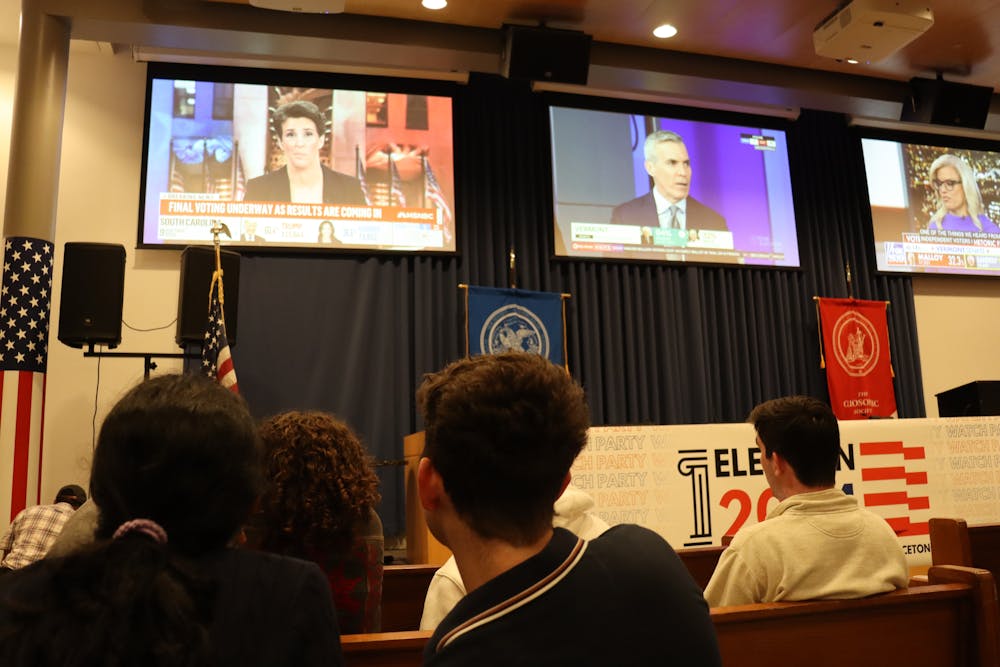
499,320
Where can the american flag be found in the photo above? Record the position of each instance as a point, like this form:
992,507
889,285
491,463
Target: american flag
239,180
362,173
433,193
397,197
25,299
216,361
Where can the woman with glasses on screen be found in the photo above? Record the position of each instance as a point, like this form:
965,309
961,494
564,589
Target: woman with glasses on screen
960,204
300,129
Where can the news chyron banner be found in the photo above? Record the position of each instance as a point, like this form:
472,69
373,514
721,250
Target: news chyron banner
855,338
500,320
184,217
668,479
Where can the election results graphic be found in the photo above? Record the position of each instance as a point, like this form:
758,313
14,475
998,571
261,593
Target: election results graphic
667,479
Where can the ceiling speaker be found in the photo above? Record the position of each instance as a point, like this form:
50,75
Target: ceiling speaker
304,6
546,54
941,102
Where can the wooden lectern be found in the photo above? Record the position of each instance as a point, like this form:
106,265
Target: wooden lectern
421,546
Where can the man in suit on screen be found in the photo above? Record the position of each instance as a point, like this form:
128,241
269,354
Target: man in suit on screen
668,204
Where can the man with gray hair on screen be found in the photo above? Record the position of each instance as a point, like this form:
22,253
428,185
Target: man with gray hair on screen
668,204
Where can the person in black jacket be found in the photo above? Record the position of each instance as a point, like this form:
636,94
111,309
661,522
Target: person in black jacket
501,432
175,474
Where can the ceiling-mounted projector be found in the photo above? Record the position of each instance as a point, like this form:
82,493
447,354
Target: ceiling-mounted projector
872,30
304,6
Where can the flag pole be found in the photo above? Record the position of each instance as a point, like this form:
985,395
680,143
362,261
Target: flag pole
512,269
217,228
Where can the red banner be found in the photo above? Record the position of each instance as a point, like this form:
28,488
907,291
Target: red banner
858,368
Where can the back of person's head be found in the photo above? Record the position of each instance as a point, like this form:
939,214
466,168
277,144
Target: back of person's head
502,431
299,109
320,484
804,432
73,495
653,139
175,472
182,451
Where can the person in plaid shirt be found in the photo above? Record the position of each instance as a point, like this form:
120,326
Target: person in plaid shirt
35,529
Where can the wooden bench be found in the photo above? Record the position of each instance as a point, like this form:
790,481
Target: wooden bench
404,588
953,542
384,649
951,622
701,562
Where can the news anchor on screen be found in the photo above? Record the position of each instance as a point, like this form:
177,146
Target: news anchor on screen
960,204
303,179
668,204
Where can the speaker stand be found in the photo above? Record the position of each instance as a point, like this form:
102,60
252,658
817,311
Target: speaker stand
149,364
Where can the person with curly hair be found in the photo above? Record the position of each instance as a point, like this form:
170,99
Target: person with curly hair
319,505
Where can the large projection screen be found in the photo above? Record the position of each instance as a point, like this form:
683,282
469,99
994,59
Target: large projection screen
734,196
934,208
296,161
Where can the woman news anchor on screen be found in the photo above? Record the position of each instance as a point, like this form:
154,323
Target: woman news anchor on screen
303,179
960,204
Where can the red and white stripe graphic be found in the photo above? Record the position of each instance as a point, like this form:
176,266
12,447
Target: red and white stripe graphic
895,486
25,298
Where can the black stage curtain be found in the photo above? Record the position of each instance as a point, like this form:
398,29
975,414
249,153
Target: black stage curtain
652,344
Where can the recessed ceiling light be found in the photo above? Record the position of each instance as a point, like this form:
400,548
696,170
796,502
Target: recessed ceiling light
852,61
664,31
434,4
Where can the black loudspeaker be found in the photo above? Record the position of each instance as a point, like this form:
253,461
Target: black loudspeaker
947,103
976,399
93,287
545,54
197,266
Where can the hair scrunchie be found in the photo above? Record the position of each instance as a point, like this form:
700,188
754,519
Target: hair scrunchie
145,526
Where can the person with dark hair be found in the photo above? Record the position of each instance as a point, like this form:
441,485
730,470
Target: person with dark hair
319,504
572,512
817,543
501,432
301,133
33,531
175,473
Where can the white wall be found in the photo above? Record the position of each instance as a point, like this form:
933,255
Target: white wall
99,202
958,328
957,319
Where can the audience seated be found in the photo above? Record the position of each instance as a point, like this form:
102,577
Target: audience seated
175,473
501,434
817,543
34,529
572,512
319,505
